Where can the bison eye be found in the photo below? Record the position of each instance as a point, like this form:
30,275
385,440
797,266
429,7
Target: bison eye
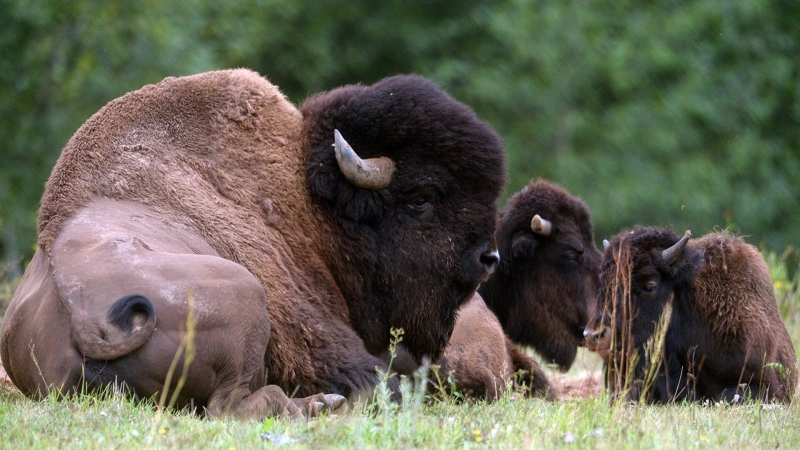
650,287
419,203
573,256
421,208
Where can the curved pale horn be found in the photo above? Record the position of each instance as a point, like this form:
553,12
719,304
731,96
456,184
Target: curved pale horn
541,226
372,173
672,253
606,244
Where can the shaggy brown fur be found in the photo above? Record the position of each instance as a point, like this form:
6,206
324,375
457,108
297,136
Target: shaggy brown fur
479,359
724,330
214,187
544,284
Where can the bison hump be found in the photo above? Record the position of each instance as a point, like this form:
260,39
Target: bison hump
206,133
732,288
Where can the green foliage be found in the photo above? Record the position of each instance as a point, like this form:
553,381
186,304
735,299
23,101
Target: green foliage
671,113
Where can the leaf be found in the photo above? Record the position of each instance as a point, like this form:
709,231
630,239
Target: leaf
267,425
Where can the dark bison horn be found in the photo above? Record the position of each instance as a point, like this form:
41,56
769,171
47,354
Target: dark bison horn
372,173
672,253
541,226
606,244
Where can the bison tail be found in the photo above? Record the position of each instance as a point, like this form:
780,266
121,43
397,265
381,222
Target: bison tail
129,323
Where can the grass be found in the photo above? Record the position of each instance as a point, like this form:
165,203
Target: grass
114,421
91,422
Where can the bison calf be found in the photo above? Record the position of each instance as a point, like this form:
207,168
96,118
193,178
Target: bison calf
547,273
697,320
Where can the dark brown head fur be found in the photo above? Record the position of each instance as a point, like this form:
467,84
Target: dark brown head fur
421,240
543,283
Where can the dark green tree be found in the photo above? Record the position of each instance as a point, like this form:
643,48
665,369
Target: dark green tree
671,113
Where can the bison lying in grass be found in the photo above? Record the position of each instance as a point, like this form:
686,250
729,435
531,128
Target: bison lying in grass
547,274
212,201
540,293
479,361
697,320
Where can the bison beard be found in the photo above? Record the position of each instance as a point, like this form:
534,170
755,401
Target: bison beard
214,187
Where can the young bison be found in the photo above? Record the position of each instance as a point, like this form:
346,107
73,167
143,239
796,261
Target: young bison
547,274
695,320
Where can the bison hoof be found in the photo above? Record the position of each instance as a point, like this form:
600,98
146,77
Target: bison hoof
317,404
334,401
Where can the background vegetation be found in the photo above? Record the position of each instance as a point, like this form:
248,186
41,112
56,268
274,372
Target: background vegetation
673,113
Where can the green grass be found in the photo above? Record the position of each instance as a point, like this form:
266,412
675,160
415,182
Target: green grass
90,422
113,421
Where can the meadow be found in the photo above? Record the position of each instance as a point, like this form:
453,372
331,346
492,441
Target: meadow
114,421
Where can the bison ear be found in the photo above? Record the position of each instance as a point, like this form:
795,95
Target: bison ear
686,266
523,245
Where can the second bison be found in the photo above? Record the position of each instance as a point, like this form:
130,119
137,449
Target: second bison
547,276
697,320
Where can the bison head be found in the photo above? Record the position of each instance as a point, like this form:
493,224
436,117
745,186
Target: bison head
410,202
547,273
642,271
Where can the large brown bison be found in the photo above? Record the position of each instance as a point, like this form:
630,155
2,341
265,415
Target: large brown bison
696,320
479,361
212,197
547,274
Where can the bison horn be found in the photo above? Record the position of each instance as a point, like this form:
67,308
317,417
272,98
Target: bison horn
541,226
372,173
672,253
606,244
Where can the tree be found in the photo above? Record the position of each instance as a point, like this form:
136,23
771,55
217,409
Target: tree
682,114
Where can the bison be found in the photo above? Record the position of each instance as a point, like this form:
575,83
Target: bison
690,320
547,276
287,242
479,361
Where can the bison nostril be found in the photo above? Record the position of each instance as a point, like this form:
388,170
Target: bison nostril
590,335
594,335
490,260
